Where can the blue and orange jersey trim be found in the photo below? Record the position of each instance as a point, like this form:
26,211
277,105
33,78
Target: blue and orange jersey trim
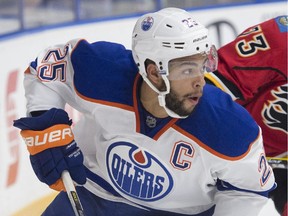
212,150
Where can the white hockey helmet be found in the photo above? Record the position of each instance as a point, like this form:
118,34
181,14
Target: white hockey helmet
165,35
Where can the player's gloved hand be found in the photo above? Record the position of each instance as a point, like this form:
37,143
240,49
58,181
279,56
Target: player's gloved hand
52,148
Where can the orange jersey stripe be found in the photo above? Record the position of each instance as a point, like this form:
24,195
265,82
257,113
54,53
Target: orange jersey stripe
27,71
165,128
113,104
135,103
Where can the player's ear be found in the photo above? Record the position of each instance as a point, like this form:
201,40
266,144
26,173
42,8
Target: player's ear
153,74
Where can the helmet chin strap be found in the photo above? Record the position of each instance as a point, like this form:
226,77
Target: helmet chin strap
162,95
162,103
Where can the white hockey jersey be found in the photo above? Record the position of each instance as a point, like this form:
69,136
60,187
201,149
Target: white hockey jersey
213,157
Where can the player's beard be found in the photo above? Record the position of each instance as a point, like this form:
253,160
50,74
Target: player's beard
174,103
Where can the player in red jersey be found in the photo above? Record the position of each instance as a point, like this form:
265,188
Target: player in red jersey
253,70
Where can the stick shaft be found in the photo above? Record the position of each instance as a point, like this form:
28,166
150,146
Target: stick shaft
72,194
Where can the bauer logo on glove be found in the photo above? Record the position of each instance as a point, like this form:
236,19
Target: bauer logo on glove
52,148
54,136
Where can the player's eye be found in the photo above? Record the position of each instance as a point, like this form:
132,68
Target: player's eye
187,71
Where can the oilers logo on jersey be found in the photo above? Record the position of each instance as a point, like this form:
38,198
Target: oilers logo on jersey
137,173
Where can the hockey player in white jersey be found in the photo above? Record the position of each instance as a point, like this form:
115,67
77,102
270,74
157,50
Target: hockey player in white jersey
153,139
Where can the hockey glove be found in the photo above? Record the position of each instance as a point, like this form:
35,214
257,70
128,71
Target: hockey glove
52,148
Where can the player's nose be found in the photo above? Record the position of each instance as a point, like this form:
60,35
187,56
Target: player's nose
198,82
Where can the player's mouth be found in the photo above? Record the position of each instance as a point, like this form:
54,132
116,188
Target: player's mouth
194,99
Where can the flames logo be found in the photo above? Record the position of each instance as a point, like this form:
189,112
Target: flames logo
274,113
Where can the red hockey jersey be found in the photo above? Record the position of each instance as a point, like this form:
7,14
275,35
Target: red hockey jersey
253,70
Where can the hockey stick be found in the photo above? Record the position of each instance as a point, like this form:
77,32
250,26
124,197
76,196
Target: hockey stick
280,163
72,194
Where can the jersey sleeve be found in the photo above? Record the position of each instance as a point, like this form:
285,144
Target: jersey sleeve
256,59
243,185
238,204
48,81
